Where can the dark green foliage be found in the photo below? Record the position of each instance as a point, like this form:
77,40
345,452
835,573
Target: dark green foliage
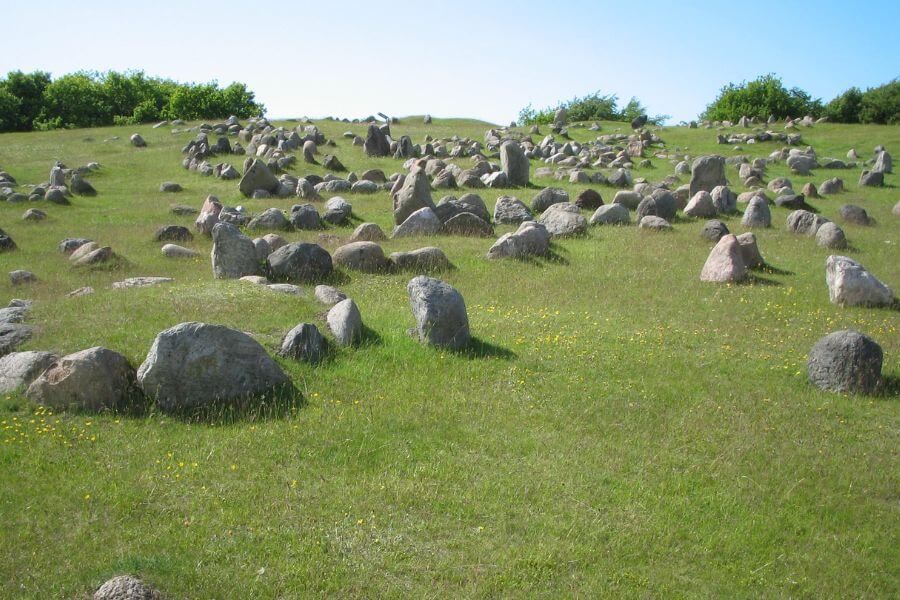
29,90
845,108
764,96
593,107
88,99
881,104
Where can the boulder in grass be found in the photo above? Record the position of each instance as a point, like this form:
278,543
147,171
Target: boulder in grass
611,214
440,313
126,587
850,284
304,342
95,379
422,222
830,235
725,263
847,362
563,220
195,365
707,172
233,253
654,223
713,230
750,251
365,257
19,369
530,239
345,322
700,206
329,295
170,187
805,222
423,260
414,195
368,232
299,262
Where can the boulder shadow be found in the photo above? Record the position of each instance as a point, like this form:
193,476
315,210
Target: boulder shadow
773,270
276,404
890,387
368,337
479,348
752,279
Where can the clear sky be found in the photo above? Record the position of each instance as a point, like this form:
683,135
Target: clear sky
463,58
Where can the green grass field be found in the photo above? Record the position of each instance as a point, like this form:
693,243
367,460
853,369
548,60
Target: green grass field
619,430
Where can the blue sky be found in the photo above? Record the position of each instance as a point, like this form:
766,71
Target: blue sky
464,58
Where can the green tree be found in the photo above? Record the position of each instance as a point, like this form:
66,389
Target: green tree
881,104
845,108
29,89
760,98
9,110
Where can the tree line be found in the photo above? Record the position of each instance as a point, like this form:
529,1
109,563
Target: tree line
36,101
763,97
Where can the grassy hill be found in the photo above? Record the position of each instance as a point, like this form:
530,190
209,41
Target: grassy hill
619,428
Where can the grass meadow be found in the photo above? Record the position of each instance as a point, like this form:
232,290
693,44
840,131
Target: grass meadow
617,429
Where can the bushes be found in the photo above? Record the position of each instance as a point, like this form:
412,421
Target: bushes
881,104
593,107
760,98
86,99
766,96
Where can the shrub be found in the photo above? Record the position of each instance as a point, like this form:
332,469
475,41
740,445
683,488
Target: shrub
845,108
760,98
592,107
881,104
88,99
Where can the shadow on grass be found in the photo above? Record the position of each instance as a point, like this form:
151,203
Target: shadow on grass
276,404
479,348
773,270
757,280
890,387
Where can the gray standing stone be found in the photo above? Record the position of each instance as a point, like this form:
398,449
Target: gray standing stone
345,322
414,195
440,313
871,179
337,211
804,222
847,362
514,163
725,262
329,295
707,172
376,143
829,235
563,219
233,253
757,213
850,284
193,365
258,177
305,217
700,206
304,342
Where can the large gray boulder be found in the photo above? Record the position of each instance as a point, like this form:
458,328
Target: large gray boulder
258,177
19,369
271,219
299,262
337,211
707,172
804,222
345,322
830,235
548,197
377,143
420,223
847,362
440,313
365,257
757,214
94,379
725,263
194,365
563,220
414,195
233,253
530,239
700,206
424,260
514,163
611,214
850,284
126,587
